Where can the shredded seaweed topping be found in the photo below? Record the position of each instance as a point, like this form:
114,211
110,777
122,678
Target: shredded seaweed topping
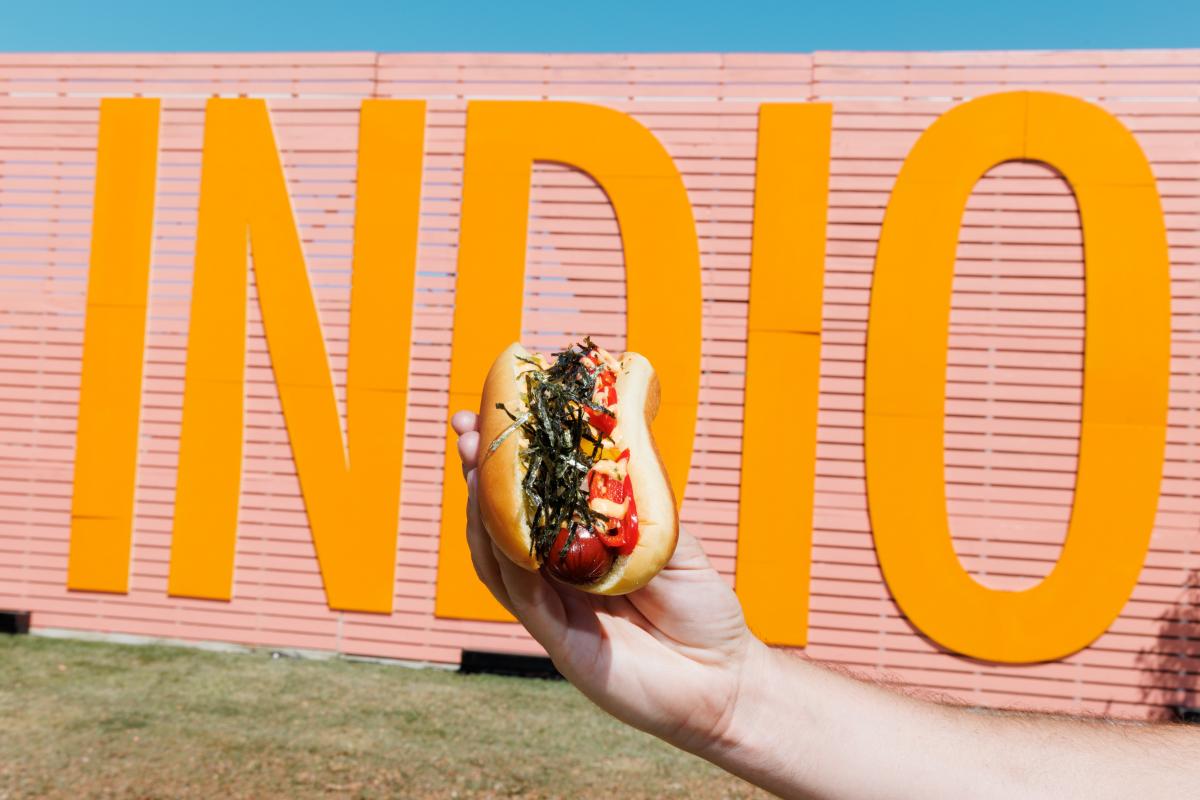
555,426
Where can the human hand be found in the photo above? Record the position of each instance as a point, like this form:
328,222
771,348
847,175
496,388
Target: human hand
671,658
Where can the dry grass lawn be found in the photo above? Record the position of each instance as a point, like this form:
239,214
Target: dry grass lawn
82,719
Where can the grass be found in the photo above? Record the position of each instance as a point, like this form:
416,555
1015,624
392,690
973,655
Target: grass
86,719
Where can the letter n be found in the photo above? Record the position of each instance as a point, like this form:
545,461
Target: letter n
351,483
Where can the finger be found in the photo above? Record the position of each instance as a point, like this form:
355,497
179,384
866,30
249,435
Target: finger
576,604
501,591
578,647
464,421
468,450
536,605
483,554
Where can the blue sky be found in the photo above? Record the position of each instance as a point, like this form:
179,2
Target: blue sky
599,25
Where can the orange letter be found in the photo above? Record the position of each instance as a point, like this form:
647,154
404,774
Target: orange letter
352,499
783,369
1124,380
662,268
114,340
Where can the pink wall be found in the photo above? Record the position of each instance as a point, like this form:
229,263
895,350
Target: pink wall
1016,340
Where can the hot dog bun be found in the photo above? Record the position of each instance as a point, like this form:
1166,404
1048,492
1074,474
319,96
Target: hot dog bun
502,498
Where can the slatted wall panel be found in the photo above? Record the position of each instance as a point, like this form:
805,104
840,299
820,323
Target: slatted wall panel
1013,381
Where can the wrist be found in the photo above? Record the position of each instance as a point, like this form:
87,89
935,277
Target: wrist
747,714
769,737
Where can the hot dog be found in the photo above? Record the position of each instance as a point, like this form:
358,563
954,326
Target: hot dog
570,481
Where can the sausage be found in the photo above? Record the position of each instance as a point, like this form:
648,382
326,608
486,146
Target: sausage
586,560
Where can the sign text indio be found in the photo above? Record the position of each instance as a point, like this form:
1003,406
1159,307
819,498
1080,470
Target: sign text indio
351,483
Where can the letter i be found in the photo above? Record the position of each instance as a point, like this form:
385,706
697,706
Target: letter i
783,365
114,340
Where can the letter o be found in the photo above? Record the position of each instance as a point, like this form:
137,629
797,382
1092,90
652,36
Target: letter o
1125,377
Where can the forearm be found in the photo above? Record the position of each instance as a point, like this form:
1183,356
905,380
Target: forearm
803,731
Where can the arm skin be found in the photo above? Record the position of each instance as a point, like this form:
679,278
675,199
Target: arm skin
676,660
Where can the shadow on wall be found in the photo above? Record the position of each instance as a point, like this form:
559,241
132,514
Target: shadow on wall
1171,667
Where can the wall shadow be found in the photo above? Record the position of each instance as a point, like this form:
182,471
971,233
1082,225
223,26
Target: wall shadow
1171,666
